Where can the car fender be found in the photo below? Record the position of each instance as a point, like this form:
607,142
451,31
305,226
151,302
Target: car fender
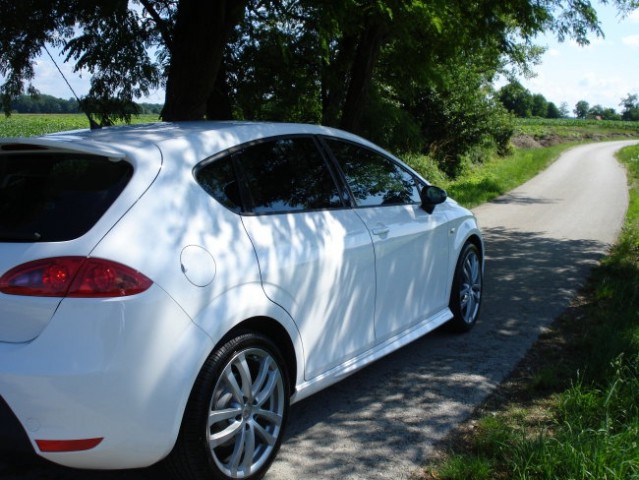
230,310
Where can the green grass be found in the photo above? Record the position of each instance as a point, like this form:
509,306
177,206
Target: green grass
27,125
480,183
589,430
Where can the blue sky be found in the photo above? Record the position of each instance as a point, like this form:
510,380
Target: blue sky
601,73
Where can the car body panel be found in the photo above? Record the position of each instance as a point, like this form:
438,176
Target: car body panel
108,380
320,267
411,258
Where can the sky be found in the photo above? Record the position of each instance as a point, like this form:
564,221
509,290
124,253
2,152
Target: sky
602,73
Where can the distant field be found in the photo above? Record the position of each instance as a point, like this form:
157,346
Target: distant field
570,129
547,132
26,125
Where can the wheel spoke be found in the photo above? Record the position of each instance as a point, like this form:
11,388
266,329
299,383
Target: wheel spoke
249,448
238,449
231,381
264,435
217,416
245,375
222,437
262,376
268,391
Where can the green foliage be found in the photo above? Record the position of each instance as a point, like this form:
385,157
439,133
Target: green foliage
480,183
391,126
630,106
516,99
581,109
467,468
460,121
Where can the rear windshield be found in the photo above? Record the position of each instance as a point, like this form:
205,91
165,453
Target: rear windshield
50,197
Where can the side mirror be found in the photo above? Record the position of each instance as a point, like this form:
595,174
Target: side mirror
432,196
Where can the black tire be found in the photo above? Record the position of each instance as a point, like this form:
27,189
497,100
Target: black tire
466,292
239,403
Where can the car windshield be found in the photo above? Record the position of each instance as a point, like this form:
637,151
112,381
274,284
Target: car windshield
50,197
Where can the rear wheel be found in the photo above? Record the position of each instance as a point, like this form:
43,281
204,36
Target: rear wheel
465,296
235,418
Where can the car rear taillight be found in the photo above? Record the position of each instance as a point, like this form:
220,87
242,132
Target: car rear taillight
78,277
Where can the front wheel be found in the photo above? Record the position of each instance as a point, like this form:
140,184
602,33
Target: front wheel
235,417
465,296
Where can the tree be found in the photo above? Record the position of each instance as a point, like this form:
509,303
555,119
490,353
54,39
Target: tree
600,113
553,111
516,99
113,38
539,106
581,109
630,106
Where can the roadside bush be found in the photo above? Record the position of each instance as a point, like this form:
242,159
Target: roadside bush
460,121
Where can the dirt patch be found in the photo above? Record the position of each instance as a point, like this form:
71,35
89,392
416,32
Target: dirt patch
525,141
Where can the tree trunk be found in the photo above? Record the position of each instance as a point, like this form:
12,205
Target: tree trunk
201,32
218,105
335,80
361,77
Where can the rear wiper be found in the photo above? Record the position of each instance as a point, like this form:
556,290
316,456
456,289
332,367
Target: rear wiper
19,237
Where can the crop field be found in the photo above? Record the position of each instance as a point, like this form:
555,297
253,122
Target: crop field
27,125
571,129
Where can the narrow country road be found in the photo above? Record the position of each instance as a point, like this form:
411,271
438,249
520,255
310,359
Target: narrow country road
542,240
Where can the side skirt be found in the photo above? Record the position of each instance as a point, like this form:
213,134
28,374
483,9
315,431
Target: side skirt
351,366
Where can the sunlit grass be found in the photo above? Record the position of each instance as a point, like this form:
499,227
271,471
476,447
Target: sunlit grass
482,182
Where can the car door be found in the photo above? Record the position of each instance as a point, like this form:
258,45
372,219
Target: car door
411,245
315,254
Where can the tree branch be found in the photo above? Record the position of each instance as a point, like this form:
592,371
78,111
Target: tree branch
163,25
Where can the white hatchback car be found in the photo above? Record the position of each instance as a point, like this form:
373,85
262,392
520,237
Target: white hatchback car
167,290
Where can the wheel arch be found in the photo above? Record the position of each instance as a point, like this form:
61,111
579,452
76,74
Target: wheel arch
275,332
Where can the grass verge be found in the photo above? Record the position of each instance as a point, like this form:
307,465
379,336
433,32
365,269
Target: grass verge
569,411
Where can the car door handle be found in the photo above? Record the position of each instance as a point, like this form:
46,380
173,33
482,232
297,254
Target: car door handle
380,230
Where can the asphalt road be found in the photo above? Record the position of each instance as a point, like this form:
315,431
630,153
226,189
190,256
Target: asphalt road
542,240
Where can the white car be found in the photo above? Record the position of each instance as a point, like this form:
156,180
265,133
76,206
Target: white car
167,290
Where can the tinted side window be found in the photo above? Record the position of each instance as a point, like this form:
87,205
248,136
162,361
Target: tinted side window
287,175
374,179
219,181
56,197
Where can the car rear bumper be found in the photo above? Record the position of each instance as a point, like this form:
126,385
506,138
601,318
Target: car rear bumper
125,379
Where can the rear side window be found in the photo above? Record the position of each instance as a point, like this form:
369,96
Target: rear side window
51,197
277,176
